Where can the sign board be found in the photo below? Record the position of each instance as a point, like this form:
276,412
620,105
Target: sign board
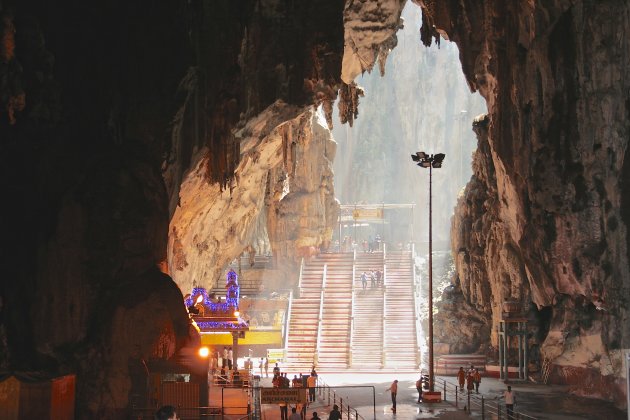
363,214
278,395
275,354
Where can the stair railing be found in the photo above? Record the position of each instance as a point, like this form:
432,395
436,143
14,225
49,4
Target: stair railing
300,278
288,323
352,291
384,342
320,316
416,302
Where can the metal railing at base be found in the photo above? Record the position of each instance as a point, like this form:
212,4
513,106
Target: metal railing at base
478,403
330,397
183,413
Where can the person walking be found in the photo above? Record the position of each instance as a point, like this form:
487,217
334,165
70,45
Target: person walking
461,378
295,415
284,412
470,382
393,388
315,416
509,402
363,280
477,378
419,388
311,382
261,363
266,368
334,414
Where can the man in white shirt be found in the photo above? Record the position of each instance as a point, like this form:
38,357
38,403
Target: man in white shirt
509,402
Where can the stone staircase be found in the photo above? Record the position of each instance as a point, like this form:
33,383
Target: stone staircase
367,340
335,333
401,350
300,351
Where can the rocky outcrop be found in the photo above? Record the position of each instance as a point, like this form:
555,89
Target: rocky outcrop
369,34
555,83
284,178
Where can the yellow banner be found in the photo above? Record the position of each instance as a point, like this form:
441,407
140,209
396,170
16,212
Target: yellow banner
271,338
362,214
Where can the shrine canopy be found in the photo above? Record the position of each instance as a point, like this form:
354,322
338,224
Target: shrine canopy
217,316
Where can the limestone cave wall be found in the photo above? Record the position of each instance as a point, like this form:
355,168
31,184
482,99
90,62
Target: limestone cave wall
120,119
545,216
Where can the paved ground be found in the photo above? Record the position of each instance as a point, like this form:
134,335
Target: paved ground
372,401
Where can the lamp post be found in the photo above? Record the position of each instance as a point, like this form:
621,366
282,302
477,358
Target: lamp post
425,160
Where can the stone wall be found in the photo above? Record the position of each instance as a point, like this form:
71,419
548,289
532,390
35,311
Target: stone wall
550,229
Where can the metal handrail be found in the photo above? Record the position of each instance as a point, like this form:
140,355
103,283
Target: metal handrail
416,311
384,341
300,278
288,323
328,394
351,319
320,316
477,402
354,273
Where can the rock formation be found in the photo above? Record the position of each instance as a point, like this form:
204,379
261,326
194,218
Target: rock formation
284,178
546,221
106,109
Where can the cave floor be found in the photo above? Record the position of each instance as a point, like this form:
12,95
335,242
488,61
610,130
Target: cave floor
537,400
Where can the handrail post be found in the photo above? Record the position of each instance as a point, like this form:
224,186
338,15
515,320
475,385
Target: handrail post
468,401
483,409
444,390
456,397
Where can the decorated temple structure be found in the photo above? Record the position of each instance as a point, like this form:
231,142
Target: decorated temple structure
216,317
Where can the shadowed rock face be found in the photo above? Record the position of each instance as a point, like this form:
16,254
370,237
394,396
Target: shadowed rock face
104,111
544,219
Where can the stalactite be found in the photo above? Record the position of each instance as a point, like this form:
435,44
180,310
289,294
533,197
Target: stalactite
349,102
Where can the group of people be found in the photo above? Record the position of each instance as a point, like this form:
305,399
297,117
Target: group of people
375,276
264,364
471,377
280,380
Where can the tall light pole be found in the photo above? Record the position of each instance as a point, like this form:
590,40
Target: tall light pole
430,161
